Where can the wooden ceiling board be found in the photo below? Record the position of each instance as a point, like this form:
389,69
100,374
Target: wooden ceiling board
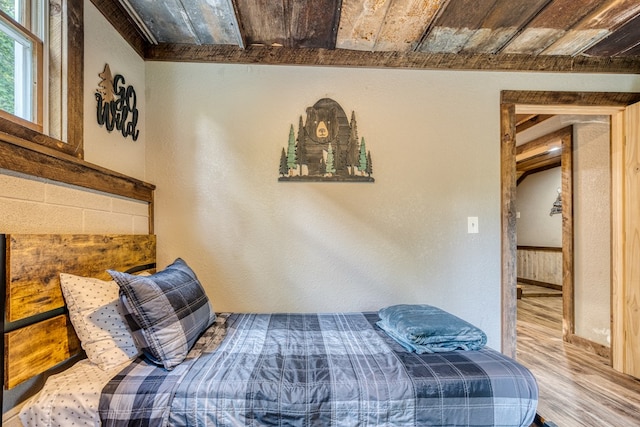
574,42
634,51
263,22
513,13
506,19
550,25
532,41
405,23
522,118
360,23
314,23
612,14
456,25
595,27
564,14
167,20
529,120
619,42
299,23
543,161
465,13
214,21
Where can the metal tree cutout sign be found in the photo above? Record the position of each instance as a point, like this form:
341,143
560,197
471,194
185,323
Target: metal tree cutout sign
327,148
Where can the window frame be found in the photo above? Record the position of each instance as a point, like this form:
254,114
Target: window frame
37,71
22,132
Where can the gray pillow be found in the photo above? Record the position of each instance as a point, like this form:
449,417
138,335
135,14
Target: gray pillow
166,311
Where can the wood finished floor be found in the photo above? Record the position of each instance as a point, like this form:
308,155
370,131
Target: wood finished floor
577,389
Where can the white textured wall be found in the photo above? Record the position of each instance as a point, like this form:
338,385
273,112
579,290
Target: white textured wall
215,134
534,199
103,45
592,229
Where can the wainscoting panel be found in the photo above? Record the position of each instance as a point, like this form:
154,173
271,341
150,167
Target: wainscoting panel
540,265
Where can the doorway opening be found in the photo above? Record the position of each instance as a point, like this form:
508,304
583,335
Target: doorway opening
610,104
563,217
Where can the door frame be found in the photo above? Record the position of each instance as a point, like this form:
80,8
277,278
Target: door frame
606,103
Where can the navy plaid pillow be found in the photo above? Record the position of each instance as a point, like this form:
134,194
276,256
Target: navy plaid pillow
166,311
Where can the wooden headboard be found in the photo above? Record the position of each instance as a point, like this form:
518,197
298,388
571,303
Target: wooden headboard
37,332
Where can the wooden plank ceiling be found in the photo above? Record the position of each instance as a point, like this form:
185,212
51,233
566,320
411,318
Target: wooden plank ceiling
537,155
538,35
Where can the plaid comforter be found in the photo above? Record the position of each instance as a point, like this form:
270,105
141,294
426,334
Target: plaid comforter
319,370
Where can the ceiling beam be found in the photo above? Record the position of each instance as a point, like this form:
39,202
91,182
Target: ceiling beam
535,119
119,19
270,55
543,144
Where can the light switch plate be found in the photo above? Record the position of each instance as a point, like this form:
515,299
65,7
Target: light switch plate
472,224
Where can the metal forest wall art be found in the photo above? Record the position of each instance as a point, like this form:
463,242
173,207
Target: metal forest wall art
327,148
116,104
557,205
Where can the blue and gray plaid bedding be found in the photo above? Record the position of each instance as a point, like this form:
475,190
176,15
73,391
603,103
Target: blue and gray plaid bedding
319,370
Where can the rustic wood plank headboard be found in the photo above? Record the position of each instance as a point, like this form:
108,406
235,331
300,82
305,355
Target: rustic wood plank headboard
37,331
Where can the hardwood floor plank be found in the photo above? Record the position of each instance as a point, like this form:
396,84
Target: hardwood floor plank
577,388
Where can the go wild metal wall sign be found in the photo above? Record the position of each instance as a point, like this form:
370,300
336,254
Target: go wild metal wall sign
327,148
116,104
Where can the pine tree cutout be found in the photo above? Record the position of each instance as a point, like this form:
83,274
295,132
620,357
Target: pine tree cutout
362,166
283,163
301,146
330,168
352,155
105,87
291,152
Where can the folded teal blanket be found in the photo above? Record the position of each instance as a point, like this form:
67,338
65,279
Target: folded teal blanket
426,329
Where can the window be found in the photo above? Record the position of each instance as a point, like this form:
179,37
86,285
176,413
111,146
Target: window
21,61
54,86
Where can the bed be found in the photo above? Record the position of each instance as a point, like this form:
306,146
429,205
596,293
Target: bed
245,368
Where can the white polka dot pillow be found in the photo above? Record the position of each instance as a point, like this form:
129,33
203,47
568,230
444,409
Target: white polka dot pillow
94,310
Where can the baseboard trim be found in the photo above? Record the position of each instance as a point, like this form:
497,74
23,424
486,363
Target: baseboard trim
593,347
541,284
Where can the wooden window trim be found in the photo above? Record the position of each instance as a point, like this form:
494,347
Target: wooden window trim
22,156
19,121
74,96
75,77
